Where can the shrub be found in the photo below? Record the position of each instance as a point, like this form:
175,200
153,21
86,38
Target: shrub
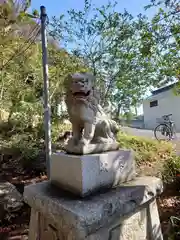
171,169
27,146
152,157
23,145
58,129
146,150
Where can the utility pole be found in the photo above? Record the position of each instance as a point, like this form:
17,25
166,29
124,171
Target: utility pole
47,110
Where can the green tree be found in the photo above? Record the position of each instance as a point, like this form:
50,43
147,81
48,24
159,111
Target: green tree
18,33
161,39
128,116
108,43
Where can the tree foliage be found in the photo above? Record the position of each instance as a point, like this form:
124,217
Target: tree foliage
111,44
161,39
21,82
128,55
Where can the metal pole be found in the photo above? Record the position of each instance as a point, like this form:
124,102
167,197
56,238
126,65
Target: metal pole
47,111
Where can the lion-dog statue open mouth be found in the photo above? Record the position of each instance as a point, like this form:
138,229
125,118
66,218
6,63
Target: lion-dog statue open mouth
90,124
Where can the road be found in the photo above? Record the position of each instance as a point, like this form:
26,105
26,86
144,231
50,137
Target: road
143,132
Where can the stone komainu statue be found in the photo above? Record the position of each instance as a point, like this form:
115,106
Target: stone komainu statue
90,125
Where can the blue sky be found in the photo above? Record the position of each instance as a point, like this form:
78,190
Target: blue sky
57,7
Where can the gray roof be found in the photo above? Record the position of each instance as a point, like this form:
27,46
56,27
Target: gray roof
163,89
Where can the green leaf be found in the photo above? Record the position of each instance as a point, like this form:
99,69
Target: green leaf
148,6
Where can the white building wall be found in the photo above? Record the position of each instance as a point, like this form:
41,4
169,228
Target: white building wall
168,103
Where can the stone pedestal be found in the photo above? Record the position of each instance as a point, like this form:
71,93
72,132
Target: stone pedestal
128,212
85,174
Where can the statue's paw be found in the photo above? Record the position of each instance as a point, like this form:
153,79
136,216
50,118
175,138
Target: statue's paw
83,142
72,141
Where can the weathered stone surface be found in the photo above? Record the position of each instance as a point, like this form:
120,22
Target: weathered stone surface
90,124
10,199
77,219
143,224
85,174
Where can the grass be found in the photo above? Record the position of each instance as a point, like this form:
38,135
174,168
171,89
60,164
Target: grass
147,150
152,157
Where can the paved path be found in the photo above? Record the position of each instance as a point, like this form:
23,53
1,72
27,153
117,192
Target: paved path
143,132
139,132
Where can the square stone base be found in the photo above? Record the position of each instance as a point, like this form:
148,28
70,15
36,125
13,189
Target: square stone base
85,174
125,213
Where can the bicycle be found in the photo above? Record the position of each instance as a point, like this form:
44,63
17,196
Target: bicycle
166,128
